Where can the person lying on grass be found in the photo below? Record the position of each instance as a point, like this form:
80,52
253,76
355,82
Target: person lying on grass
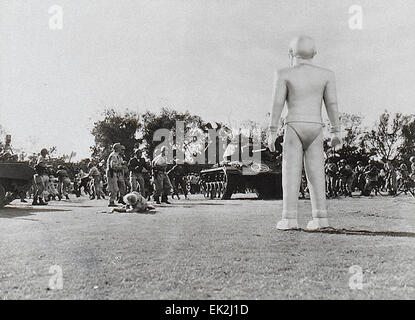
135,203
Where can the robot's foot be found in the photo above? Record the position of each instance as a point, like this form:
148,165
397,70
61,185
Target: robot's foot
287,224
318,223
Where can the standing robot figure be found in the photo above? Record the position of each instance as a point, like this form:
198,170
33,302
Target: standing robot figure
304,86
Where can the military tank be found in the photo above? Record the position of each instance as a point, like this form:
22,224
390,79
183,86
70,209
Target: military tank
15,177
264,178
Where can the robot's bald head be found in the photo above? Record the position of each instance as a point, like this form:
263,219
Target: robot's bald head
302,47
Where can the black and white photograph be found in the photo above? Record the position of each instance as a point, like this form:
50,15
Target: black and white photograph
193,152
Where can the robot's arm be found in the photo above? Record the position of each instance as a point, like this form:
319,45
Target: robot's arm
279,97
330,101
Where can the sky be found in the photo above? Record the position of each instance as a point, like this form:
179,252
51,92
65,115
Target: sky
214,58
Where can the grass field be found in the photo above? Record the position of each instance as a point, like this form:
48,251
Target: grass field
206,249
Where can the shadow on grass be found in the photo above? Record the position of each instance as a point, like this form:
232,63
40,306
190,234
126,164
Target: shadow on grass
10,212
362,232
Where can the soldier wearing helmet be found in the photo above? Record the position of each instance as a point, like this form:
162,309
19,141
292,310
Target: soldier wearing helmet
114,173
64,183
162,182
96,182
346,176
138,166
331,170
41,178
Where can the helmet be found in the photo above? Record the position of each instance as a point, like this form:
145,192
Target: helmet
116,146
412,159
403,166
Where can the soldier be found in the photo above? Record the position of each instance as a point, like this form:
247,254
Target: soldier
359,176
194,181
403,180
123,182
136,165
102,167
114,173
135,203
177,175
41,178
372,177
331,170
82,182
346,177
96,184
161,179
64,182
51,188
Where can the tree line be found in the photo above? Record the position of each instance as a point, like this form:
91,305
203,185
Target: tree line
392,136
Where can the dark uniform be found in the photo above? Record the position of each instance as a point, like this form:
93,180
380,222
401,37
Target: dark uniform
138,167
64,182
114,173
372,177
40,179
161,179
177,175
346,175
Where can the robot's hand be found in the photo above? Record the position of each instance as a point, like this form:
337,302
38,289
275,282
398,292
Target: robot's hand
272,137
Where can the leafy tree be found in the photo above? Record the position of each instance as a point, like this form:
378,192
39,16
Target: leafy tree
407,148
386,137
352,148
352,125
166,119
115,127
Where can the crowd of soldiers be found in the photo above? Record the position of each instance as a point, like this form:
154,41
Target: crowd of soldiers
378,177
116,177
